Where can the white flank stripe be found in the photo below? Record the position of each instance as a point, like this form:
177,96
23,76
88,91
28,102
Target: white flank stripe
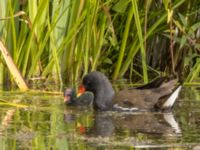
125,108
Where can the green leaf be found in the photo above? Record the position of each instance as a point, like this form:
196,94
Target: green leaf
121,6
197,46
166,3
194,73
195,26
184,22
183,41
108,61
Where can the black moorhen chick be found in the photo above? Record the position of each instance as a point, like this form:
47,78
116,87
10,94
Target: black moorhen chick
149,97
71,98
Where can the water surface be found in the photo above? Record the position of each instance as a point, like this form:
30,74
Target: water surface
41,121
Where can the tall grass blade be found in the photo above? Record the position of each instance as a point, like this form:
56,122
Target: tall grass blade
123,45
141,40
99,43
28,47
13,69
2,25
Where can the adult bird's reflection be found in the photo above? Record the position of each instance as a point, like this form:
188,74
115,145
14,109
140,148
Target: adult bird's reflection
108,124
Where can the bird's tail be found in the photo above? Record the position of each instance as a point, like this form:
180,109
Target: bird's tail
170,101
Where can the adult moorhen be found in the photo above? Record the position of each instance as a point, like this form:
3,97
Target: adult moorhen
149,97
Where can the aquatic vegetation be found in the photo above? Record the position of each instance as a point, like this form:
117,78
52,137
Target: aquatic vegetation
64,40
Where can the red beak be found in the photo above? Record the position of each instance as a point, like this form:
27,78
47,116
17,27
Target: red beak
81,90
66,98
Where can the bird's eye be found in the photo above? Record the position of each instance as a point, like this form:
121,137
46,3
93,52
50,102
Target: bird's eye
87,82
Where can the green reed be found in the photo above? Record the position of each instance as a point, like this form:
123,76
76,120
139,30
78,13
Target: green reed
64,40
